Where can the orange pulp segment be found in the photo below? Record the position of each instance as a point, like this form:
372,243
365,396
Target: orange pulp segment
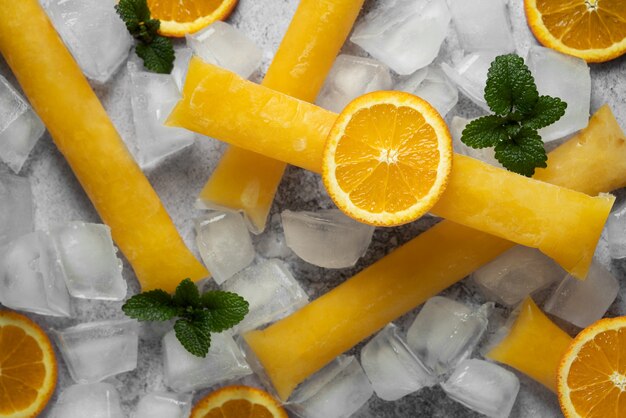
387,158
592,375
594,30
28,368
181,17
238,402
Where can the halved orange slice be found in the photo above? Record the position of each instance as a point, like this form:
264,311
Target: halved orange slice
28,368
592,375
594,30
387,158
180,17
238,402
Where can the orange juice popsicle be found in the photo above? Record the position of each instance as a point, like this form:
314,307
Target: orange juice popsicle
84,134
245,180
480,196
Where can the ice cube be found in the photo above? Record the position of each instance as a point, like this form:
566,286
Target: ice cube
391,366
336,391
16,207
181,65
94,351
351,77
224,45
20,127
435,88
616,230
96,400
476,32
582,302
548,68
153,96
89,260
185,372
404,34
516,274
484,387
94,34
31,278
224,243
445,332
326,238
271,291
487,155
470,75
164,405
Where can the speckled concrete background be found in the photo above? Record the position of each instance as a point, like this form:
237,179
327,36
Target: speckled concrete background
59,198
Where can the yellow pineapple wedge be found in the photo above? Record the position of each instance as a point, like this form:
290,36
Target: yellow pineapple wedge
534,345
246,181
480,196
84,134
295,347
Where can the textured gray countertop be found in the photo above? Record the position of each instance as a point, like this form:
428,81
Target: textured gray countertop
59,198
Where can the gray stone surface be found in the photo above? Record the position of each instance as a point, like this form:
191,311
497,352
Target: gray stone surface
59,198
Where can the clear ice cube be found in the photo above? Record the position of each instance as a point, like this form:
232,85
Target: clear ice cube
20,127
226,46
153,96
445,332
271,291
516,274
94,34
16,207
164,405
391,366
326,238
351,77
224,243
616,231
185,372
31,278
476,31
94,351
389,33
483,387
95,400
470,75
582,302
89,260
337,391
181,65
487,155
432,85
548,68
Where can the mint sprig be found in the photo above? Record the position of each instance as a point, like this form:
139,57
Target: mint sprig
198,315
156,51
520,111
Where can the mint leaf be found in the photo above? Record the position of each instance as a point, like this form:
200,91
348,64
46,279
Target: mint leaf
187,295
157,56
485,132
154,305
546,111
133,13
523,154
224,309
194,339
510,86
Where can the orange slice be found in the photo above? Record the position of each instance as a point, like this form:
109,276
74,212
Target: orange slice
594,30
179,17
238,402
28,368
592,375
387,158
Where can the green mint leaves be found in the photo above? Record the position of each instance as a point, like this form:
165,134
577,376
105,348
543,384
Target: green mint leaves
156,51
512,95
198,315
